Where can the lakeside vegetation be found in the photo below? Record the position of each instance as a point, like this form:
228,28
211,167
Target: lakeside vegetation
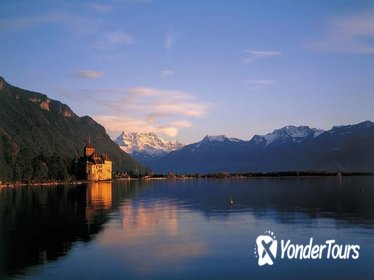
39,138
261,174
172,176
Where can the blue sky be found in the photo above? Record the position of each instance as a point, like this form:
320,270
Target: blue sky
184,69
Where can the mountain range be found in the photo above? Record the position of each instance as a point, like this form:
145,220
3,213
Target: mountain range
39,137
346,148
146,147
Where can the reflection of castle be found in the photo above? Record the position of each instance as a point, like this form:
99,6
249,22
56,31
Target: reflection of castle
98,198
92,166
99,195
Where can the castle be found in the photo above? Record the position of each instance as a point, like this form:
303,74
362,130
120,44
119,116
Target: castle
92,166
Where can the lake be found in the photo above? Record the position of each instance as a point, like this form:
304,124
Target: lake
184,229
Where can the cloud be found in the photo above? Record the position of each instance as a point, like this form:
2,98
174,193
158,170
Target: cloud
141,91
83,30
75,24
88,74
119,38
252,55
152,117
111,55
260,82
181,123
348,34
109,44
188,109
169,130
100,8
122,122
115,124
114,39
17,24
132,1
166,73
173,127
150,109
169,40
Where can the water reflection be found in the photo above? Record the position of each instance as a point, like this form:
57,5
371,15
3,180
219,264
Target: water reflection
99,195
350,199
147,217
98,202
147,235
186,228
41,223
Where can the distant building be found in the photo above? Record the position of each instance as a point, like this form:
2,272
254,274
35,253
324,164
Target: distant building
92,166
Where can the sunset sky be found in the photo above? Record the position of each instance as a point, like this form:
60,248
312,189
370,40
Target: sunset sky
184,69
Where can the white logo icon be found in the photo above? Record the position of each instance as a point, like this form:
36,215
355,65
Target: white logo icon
266,248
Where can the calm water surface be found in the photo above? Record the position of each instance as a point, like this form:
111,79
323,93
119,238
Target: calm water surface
183,229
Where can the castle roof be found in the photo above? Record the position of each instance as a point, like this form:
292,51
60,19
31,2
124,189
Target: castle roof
98,159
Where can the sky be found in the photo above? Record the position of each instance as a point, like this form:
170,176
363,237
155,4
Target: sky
187,68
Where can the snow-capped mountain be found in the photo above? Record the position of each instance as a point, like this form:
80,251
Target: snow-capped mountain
348,129
287,134
291,148
145,143
216,138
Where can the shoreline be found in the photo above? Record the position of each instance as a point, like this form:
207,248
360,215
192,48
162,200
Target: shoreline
220,175
47,183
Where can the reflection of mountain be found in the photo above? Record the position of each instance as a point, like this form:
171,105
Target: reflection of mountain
145,217
40,224
150,235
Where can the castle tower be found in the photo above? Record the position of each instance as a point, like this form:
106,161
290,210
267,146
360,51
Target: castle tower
89,150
